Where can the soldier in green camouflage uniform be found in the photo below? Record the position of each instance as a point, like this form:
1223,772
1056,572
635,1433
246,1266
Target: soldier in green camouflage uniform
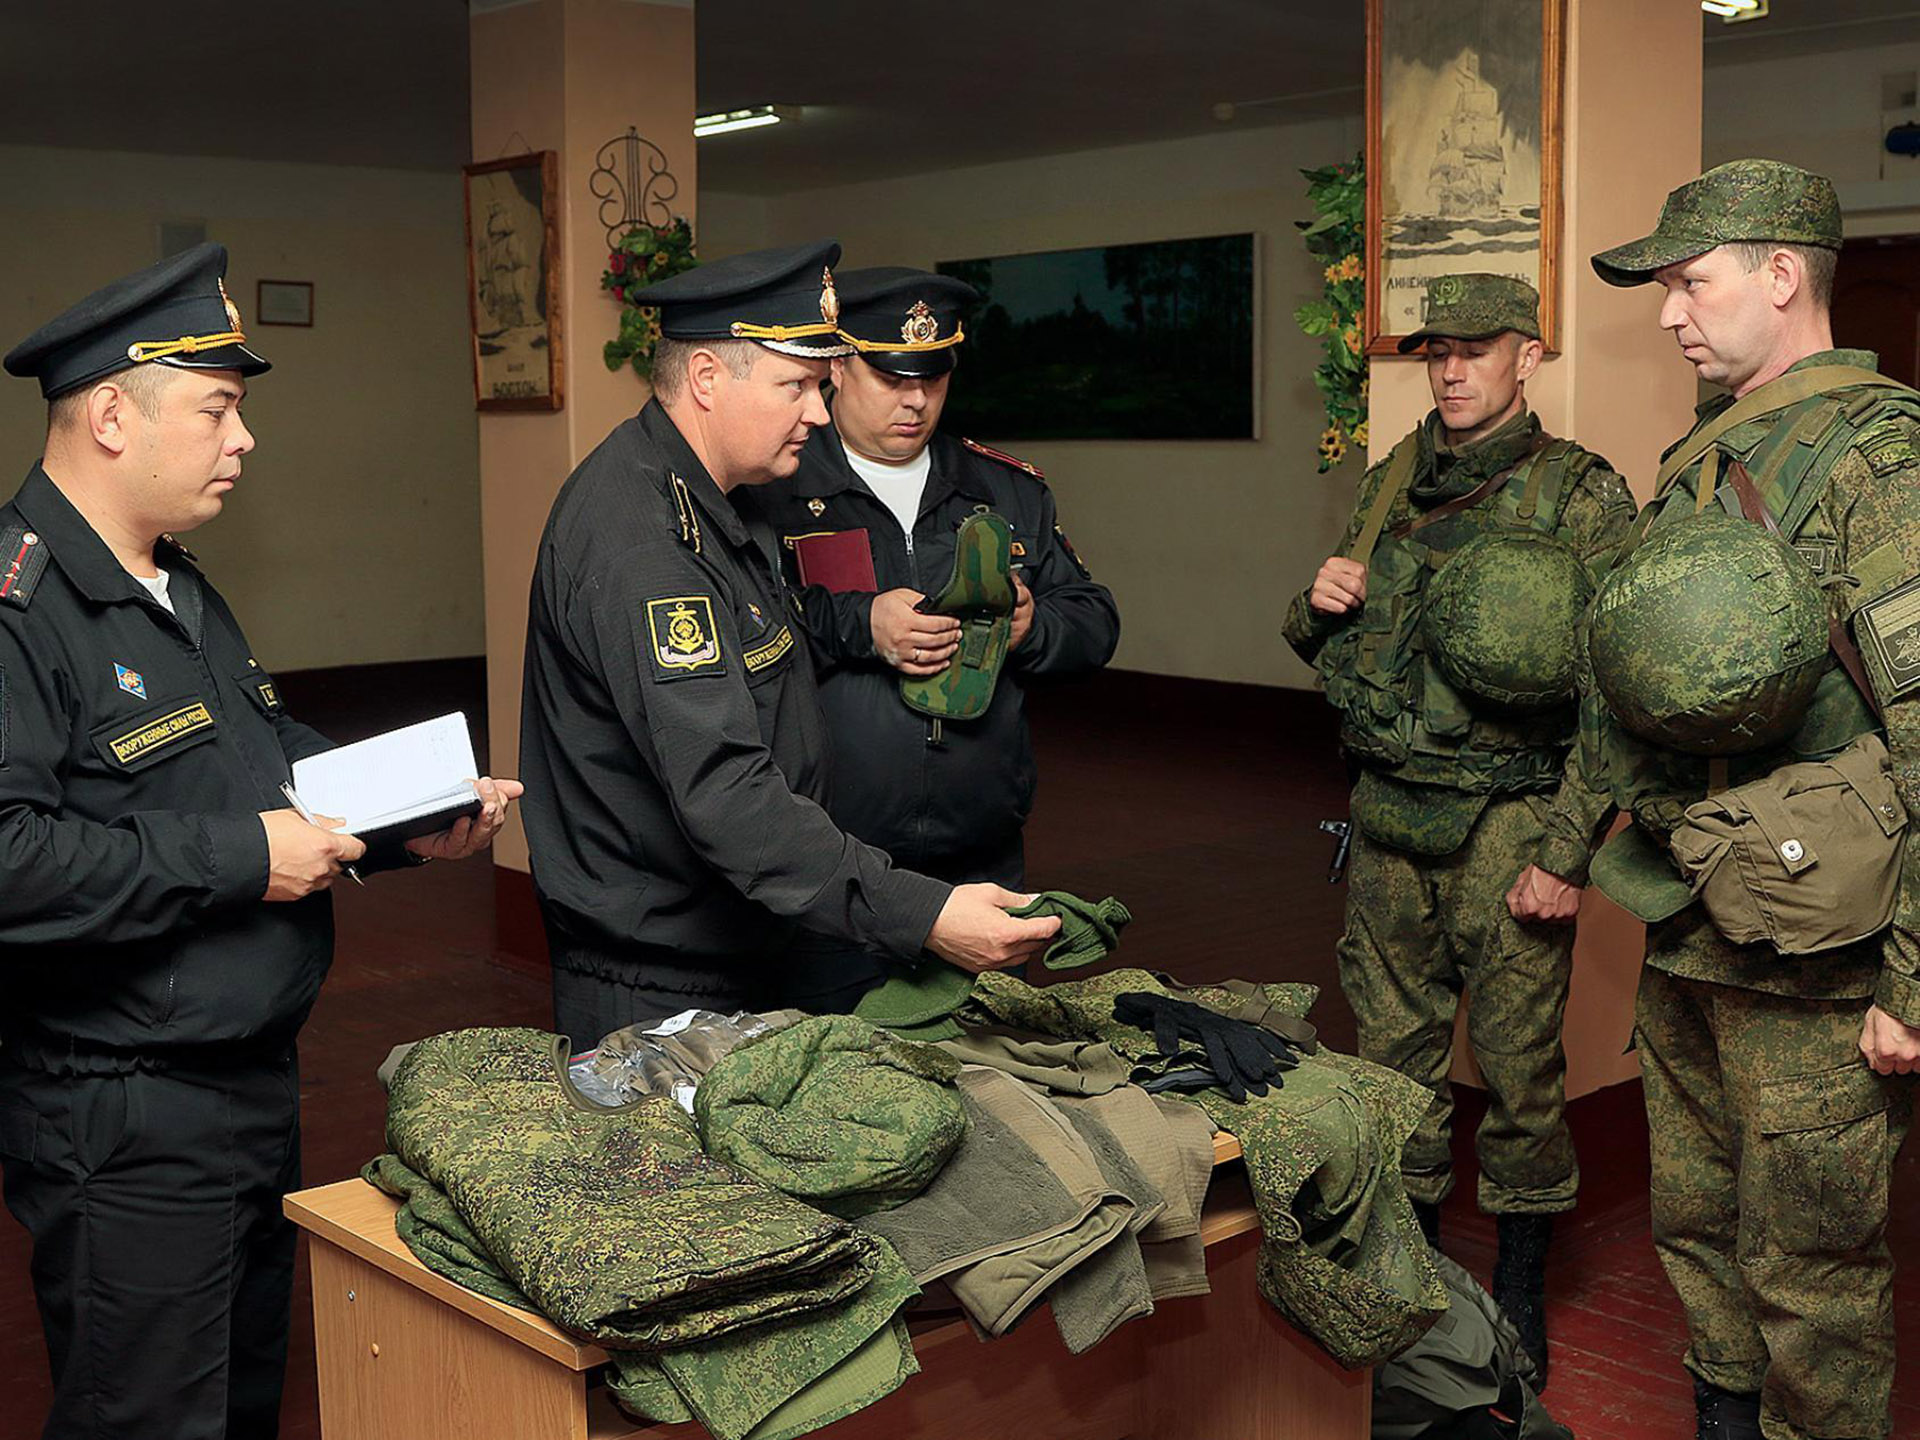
1455,797
1773,1088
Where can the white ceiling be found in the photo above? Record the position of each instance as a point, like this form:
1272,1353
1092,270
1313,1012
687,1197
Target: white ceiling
886,88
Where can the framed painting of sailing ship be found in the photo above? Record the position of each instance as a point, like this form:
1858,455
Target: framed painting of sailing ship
1463,152
513,282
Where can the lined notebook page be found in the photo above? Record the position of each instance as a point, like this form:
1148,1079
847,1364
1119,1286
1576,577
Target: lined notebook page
392,777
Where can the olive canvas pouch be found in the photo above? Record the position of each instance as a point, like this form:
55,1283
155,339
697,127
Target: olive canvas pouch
1806,858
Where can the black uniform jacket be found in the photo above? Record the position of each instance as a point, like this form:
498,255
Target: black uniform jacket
948,798
137,751
671,738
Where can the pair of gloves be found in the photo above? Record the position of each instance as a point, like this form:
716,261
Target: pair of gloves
1244,1058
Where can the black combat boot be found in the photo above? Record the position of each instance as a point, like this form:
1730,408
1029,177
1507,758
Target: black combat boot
1429,1218
1520,1283
1723,1414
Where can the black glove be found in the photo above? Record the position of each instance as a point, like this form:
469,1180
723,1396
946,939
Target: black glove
1242,1056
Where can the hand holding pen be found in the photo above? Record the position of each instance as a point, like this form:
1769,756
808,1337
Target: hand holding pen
305,851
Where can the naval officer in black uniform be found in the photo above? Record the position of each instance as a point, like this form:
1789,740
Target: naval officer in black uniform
671,733
163,926
946,797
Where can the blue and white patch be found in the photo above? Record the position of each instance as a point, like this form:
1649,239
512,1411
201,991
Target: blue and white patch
131,681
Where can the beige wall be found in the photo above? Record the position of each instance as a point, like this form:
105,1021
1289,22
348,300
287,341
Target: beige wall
354,533
567,75
1203,542
1822,111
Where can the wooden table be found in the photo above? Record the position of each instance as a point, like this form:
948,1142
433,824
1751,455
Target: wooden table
405,1354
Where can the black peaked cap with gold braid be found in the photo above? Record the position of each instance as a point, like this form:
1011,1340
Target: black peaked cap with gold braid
783,298
173,313
904,321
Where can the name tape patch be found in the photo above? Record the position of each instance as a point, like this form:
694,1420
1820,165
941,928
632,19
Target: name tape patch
762,656
155,736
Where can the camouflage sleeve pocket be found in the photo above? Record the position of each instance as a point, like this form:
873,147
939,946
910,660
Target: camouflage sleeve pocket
1824,1142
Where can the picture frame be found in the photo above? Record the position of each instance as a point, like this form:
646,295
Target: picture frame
283,302
1464,146
1156,340
513,282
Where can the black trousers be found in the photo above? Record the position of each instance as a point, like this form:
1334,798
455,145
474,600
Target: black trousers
162,1263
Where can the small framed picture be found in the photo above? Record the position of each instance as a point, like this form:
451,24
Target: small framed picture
284,302
513,281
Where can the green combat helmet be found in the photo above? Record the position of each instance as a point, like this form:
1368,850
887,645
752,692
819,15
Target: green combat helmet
1710,638
980,596
1502,616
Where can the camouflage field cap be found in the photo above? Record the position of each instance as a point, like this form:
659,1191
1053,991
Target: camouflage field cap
1474,307
1740,200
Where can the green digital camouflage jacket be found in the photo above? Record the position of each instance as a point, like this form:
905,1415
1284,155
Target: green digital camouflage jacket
1861,534
1595,516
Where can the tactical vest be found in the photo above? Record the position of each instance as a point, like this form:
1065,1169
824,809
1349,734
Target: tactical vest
1398,712
1789,450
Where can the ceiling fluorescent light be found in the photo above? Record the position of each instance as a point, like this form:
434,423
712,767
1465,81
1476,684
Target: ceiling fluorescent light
1735,10
749,119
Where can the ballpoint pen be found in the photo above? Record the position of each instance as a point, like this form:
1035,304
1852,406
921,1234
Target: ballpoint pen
299,805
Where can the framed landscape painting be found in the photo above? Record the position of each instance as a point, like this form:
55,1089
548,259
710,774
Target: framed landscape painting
1151,341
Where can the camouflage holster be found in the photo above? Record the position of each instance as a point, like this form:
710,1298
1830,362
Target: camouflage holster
981,597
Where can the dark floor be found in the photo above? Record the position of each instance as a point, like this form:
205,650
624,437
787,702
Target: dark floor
1198,805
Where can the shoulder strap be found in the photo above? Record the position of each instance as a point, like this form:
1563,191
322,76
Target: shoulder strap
1005,459
689,517
23,556
1788,389
1754,508
1540,464
1489,486
1393,485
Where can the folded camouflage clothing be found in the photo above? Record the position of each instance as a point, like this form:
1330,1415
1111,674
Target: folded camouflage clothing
918,998
1342,1257
619,1229
834,1112
754,1384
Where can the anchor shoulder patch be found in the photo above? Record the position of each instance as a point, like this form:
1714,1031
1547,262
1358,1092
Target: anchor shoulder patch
1026,467
681,638
23,559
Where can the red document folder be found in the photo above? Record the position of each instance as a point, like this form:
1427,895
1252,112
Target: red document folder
838,562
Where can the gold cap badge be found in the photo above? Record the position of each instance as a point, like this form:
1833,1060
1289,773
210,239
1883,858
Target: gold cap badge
921,328
233,310
829,302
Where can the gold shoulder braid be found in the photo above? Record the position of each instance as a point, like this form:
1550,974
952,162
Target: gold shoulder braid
689,517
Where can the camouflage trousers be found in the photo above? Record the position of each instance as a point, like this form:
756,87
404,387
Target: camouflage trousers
1419,928
1773,1146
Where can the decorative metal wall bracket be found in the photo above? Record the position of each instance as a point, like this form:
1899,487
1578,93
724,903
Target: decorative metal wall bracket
633,184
